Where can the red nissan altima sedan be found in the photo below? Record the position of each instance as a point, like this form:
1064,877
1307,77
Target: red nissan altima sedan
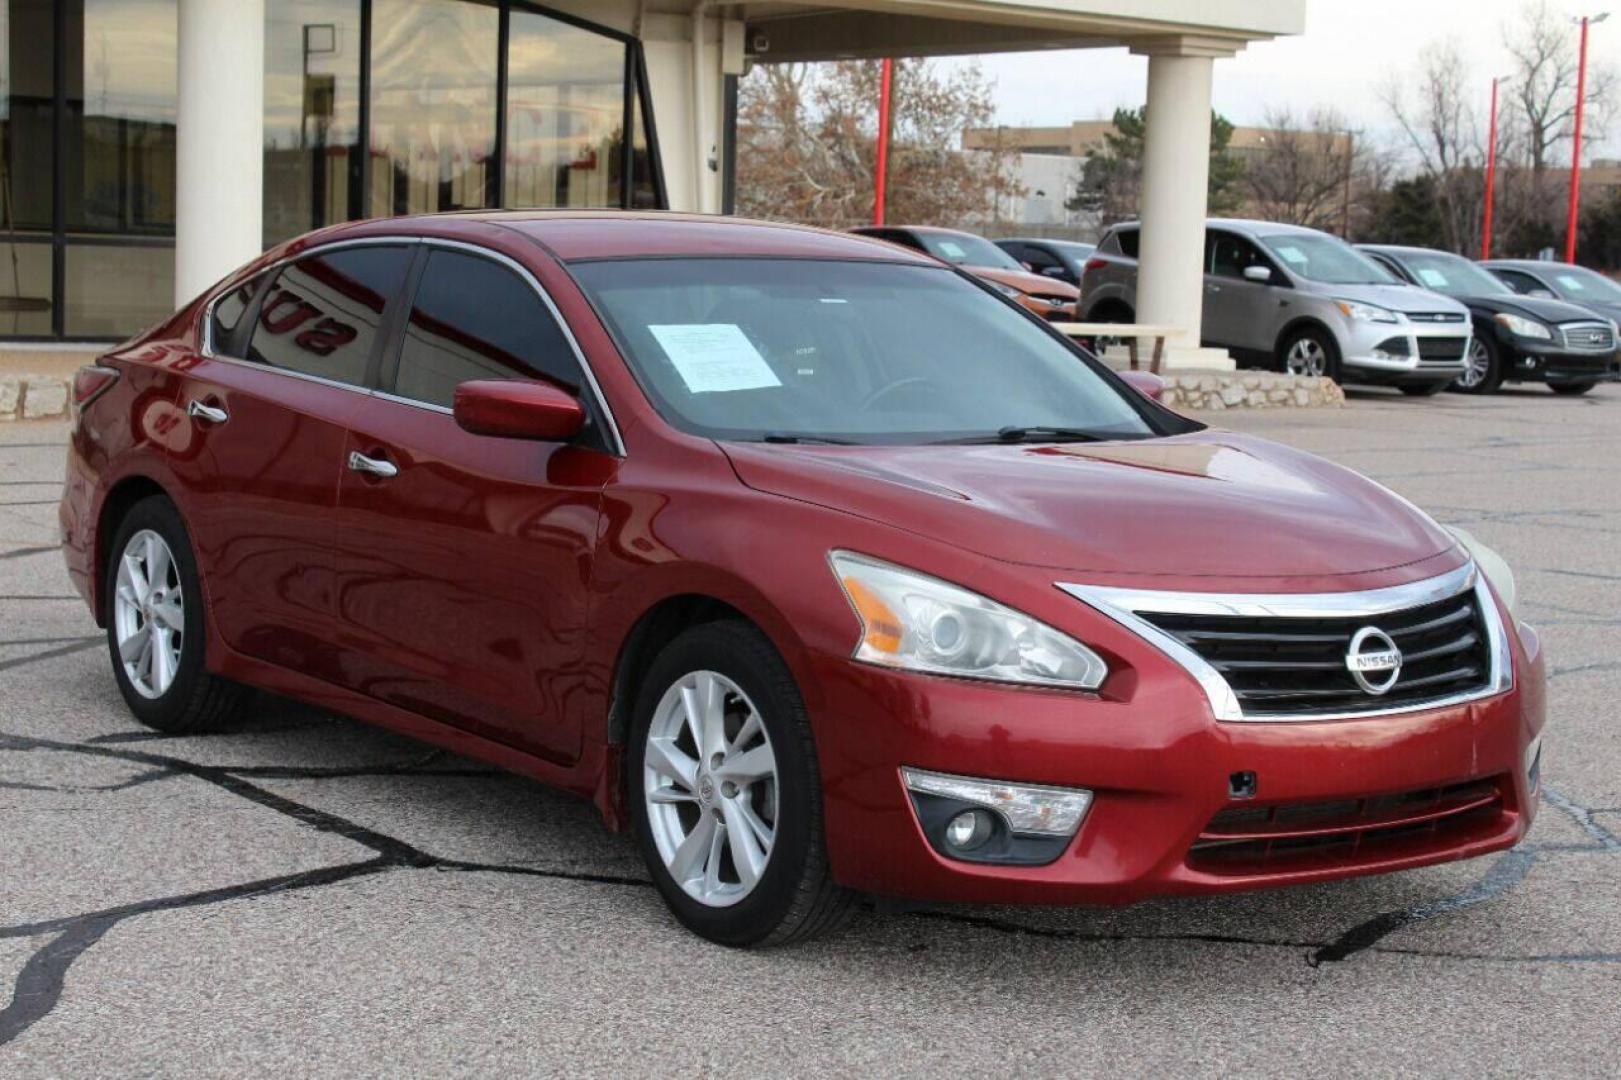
818,564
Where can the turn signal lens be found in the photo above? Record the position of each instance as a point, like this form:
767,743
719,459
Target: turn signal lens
910,620
90,382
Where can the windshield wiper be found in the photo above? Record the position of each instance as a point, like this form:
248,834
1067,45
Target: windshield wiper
784,437
1013,433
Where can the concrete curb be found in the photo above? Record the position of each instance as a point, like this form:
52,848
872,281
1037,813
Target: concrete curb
34,397
1210,391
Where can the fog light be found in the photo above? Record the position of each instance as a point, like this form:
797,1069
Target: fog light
969,830
1027,808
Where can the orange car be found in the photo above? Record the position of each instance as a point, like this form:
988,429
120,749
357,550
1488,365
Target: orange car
1047,297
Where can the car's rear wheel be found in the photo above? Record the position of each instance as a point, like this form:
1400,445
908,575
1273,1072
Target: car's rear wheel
726,792
1483,368
156,624
1574,389
1309,351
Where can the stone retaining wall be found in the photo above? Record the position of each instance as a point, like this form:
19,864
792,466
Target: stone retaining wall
34,397
1209,391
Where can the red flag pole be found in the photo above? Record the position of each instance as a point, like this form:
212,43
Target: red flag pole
1491,176
881,179
1576,150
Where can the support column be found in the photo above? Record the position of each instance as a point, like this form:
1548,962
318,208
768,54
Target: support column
1176,175
219,141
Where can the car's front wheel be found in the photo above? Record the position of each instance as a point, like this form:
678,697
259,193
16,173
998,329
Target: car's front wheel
1483,369
1309,352
156,623
726,792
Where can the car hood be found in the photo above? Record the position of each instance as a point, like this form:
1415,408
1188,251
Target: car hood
1533,307
1210,504
1404,298
1026,282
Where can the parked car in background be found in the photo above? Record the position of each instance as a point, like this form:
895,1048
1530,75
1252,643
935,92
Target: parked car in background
1045,296
821,568
1300,301
1061,260
1560,281
1517,338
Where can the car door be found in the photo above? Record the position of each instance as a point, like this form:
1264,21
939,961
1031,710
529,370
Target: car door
462,588
1238,313
269,403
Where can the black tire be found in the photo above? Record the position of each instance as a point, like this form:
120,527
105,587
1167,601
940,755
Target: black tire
195,701
795,898
1494,367
1321,339
1574,389
1423,389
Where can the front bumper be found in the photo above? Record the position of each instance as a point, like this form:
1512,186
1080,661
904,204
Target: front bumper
1535,360
1405,352
1160,769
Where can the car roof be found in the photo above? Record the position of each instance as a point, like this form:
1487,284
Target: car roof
1406,249
573,235
1244,225
1525,264
1056,240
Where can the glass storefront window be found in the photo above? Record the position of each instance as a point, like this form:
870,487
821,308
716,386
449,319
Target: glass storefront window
565,114
433,79
27,81
120,68
112,290
25,289
312,115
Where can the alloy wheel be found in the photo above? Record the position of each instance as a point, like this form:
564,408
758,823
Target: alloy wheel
710,786
1306,357
149,614
1478,365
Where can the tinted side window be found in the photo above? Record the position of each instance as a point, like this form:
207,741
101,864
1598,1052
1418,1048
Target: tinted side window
1127,239
322,315
227,316
1230,255
475,319
1520,283
1040,259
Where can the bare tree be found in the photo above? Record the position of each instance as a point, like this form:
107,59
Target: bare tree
807,145
1542,90
1305,171
1443,130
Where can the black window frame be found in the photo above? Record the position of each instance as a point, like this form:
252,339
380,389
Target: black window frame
1502,272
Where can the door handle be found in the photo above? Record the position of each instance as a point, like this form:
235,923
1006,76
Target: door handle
382,467
197,410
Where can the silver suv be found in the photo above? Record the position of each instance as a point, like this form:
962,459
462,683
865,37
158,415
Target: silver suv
1298,300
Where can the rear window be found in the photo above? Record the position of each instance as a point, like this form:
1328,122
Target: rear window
1125,241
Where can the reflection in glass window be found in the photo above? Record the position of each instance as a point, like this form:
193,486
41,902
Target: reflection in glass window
565,114
475,319
25,289
312,115
113,291
433,105
644,192
321,316
121,116
26,85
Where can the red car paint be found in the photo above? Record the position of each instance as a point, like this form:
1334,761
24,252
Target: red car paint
490,598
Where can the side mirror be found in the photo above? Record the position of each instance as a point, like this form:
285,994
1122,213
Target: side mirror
518,410
1263,274
1056,272
1541,294
1146,383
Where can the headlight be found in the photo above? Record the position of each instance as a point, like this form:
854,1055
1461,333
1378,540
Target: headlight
1355,309
912,621
1491,564
1523,327
1006,290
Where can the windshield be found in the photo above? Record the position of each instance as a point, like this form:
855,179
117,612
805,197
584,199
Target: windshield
961,249
1579,283
1452,274
1318,257
861,352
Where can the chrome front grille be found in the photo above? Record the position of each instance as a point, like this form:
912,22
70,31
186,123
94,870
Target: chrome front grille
1588,337
1287,656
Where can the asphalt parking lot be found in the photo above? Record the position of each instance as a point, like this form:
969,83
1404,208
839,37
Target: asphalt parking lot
306,895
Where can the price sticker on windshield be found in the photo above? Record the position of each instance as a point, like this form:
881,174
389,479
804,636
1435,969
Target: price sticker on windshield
714,357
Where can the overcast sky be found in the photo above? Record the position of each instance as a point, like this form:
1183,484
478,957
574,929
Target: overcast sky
1351,49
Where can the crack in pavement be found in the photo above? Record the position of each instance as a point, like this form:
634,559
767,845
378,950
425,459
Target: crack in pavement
17,553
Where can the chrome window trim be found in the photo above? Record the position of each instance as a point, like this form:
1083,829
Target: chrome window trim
1125,606
206,334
